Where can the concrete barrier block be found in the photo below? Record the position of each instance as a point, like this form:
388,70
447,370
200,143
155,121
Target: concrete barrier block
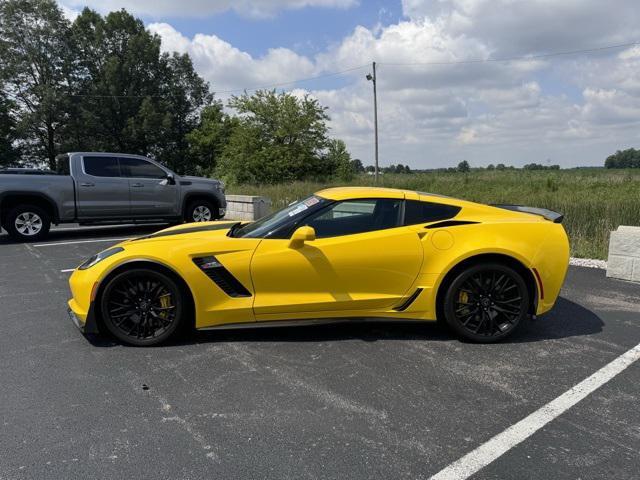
624,254
619,266
240,198
625,241
635,275
247,207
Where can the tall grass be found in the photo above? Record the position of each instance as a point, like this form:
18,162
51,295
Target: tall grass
594,201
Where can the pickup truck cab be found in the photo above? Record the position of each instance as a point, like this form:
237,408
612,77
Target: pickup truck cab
101,188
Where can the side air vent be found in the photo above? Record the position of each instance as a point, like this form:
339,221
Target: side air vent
450,223
402,307
229,284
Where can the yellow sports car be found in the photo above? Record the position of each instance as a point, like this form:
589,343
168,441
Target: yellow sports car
341,254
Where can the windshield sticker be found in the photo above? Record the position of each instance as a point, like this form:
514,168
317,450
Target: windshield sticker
310,202
300,208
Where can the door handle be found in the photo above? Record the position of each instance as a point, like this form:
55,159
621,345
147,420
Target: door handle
87,184
137,185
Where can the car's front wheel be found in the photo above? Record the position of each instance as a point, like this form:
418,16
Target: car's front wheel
142,307
486,302
201,211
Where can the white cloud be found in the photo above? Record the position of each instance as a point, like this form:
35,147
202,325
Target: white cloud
573,110
227,67
198,8
510,27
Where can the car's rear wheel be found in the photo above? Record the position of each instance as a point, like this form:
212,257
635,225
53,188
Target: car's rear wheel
27,223
486,302
142,307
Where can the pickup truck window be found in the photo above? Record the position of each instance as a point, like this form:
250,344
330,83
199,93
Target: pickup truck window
101,166
62,165
136,168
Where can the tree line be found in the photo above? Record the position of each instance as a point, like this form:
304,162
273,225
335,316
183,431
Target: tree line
629,158
102,83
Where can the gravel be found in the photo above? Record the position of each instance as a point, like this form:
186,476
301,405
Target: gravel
588,262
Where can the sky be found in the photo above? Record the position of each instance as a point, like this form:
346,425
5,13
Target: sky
444,93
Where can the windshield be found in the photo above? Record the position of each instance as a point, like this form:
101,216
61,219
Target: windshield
287,216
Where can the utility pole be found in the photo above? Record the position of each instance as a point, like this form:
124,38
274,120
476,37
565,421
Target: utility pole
372,78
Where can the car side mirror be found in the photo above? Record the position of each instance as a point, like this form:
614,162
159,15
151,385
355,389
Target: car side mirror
171,179
301,235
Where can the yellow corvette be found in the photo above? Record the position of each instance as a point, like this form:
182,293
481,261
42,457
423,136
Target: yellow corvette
343,253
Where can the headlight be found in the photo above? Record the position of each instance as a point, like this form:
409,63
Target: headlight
97,258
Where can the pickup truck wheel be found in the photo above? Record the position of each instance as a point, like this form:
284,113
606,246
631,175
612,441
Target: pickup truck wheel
27,223
201,211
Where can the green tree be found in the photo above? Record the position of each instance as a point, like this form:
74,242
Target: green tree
279,137
491,166
629,158
464,167
120,71
357,165
36,70
208,140
501,166
338,160
130,96
184,95
9,154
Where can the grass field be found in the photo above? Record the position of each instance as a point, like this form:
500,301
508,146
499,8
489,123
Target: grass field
594,201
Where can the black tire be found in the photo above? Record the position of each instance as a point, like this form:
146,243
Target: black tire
201,211
142,307
27,223
486,302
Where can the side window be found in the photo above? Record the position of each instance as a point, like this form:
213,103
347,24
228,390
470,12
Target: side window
355,216
423,212
101,166
137,168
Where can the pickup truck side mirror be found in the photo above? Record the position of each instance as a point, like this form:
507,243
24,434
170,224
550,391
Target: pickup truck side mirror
171,180
301,235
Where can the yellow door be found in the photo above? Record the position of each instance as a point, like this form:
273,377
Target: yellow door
370,270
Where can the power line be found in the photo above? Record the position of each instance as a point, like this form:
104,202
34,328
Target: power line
293,82
514,59
247,89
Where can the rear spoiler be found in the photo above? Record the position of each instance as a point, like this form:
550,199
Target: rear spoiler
550,215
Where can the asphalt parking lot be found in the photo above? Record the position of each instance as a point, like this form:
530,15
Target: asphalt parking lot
353,401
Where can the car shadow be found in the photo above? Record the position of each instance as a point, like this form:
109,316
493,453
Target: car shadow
92,232
567,319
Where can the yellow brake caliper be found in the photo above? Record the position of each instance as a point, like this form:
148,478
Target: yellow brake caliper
463,297
165,302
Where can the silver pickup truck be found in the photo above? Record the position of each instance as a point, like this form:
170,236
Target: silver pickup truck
90,188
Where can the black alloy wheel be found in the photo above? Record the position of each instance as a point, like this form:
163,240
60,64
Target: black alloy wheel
486,302
142,307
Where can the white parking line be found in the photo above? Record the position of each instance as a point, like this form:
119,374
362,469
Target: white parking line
81,241
515,434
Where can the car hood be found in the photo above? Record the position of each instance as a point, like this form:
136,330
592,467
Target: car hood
188,229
